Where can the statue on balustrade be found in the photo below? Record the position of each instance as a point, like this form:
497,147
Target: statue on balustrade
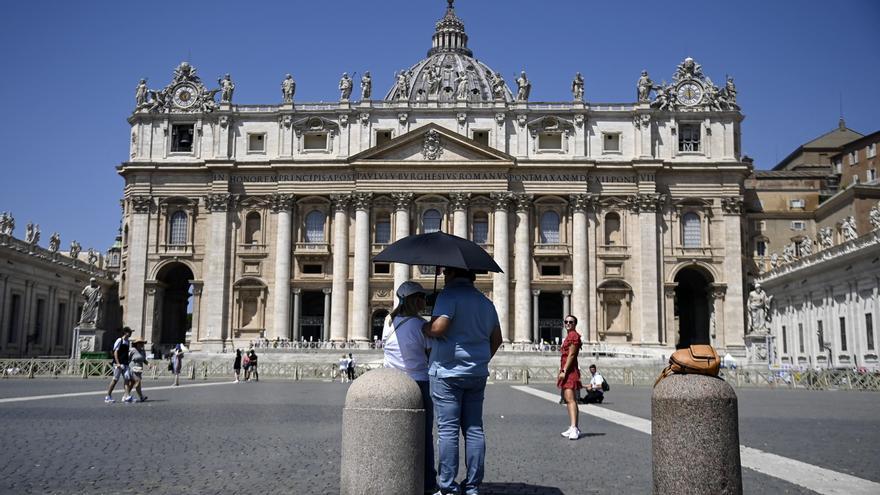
345,86
806,246
848,228
227,87
826,237
523,87
75,249
874,217
288,89
577,87
54,242
366,86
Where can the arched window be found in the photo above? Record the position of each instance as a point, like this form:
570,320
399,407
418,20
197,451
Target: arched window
431,221
178,228
550,228
383,228
481,227
612,229
690,226
315,227
252,228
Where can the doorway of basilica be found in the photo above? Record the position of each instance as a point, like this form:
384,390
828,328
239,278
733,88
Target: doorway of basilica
311,324
377,323
173,318
692,306
550,317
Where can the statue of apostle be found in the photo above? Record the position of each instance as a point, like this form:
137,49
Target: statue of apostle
140,94
523,87
644,87
366,86
577,87
759,310
345,86
288,89
227,87
93,297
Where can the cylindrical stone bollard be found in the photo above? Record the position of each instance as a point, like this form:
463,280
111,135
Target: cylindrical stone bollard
383,435
695,440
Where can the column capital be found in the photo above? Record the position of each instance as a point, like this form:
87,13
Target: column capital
402,200
340,201
362,200
566,292
732,205
523,201
141,204
297,291
219,202
536,292
500,200
647,202
460,200
582,202
281,202
327,291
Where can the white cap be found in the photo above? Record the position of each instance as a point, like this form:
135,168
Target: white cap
409,288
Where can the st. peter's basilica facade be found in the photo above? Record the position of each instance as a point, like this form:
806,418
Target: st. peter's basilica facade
261,221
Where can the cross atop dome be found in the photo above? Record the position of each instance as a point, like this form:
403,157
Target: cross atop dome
449,35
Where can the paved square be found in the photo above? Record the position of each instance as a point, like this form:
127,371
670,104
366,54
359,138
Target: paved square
272,437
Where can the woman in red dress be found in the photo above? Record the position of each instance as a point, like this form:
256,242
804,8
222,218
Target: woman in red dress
569,379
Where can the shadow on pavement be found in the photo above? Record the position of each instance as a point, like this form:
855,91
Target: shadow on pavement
518,489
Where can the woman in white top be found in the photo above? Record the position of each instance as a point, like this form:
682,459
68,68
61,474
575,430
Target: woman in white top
406,349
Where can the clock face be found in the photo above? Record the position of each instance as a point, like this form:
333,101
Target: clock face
184,96
689,94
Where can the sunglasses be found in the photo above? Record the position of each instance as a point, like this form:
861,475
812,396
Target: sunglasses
570,322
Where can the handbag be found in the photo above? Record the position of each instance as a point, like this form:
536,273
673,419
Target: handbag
699,359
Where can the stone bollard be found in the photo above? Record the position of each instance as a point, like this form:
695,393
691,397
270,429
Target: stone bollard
383,435
695,442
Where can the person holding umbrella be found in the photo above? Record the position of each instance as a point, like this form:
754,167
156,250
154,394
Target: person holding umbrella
406,349
467,332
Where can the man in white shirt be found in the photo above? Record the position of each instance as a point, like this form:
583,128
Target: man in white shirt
595,392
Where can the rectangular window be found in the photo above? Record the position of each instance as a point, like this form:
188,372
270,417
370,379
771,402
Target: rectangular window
801,337
481,230
689,137
256,143
872,175
798,225
182,138
39,320
821,334
871,150
611,142
482,137
551,270
60,324
382,268
760,225
855,179
853,157
382,137
869,330
796,203
550,141
761,248
315,142
838,165
784,341
312,269
842,333
14,315
383,231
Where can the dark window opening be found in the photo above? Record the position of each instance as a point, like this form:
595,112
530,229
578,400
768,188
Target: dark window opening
551,270
842,333
381,268
482,137
313,269
382,137
182,137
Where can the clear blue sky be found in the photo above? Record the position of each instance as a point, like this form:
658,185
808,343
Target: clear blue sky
70,69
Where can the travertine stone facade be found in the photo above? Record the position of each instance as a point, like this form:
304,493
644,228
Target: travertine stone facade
264,218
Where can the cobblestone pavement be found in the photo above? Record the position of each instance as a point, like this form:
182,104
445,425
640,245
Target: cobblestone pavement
284,437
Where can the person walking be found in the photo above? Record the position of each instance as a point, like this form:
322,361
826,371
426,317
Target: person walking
236,365
137,361
254,365
343,369
351,367
120,364
177,363
406,348
569,378
467,335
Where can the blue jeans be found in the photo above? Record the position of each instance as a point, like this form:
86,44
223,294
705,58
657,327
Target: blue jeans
458,405
430,470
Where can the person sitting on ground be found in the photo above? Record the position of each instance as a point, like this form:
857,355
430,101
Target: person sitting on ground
120,364
595,390
406,349
569,378
137,358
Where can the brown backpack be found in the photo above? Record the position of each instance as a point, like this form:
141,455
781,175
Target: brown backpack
700,359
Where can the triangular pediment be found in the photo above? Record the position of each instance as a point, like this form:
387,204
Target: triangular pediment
432,143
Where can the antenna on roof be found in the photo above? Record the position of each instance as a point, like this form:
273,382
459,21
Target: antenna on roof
841,124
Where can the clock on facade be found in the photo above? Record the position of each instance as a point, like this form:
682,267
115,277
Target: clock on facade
689,93
184,96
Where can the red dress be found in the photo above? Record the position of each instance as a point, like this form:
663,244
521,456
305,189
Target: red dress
572,379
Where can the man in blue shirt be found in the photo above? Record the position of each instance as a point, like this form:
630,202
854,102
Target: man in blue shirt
465,326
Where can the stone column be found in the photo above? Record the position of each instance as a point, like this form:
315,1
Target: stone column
566,303
282,205
216,266
360,324
325,332
140,208
297,311
579,270
649,292
522,269
536,331
734,317
196,309
500,250
593,239
459,203
402,203
339,310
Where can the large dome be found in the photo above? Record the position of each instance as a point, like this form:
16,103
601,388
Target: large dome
450,73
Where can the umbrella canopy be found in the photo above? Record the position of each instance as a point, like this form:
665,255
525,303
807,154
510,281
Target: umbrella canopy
439,249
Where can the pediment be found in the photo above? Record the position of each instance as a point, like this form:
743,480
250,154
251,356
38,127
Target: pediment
430,144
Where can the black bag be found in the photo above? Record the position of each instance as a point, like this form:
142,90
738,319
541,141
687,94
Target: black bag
170,366
605,386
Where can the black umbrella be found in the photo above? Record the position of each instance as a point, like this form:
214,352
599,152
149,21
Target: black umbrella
439,249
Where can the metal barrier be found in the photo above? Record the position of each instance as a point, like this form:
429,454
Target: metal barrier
626,376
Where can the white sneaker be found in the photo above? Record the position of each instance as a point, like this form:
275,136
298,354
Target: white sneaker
574,434
567,432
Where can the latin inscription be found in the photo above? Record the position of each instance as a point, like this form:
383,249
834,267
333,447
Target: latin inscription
432,176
